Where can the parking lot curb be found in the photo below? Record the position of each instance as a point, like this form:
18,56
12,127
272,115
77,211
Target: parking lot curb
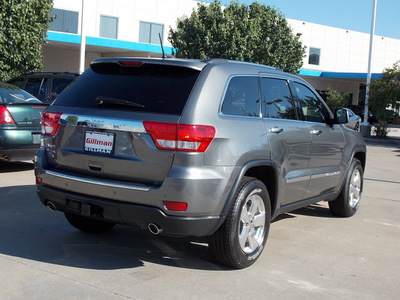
387,141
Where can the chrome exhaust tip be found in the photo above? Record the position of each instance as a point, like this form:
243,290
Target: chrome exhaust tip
154,228
51,206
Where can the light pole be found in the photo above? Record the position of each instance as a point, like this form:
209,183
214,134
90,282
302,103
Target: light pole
366,129
83,43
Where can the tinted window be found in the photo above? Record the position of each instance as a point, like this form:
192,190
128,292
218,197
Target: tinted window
314,56
242,97
160,88
312,108
59,84
19,82
276,99
36,86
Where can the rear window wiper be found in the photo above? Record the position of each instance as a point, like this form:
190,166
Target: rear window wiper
104,100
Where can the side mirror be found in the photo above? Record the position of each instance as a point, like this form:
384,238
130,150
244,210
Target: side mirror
341,116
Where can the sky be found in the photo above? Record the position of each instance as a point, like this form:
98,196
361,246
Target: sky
353,15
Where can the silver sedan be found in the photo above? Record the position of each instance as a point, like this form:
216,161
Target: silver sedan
354,120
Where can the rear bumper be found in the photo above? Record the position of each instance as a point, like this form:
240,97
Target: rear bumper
127,213
18,145
205,191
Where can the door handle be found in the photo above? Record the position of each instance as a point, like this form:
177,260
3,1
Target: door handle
316,132
275,130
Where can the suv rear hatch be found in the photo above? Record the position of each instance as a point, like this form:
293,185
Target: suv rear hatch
96,128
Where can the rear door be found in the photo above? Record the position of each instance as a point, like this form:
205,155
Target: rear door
327,142
101,132
289,139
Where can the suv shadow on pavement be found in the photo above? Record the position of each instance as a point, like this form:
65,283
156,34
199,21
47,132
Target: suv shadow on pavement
27,231
6,167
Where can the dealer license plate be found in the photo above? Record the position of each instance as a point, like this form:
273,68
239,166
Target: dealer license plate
99,142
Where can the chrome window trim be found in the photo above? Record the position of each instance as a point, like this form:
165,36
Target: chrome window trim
102,123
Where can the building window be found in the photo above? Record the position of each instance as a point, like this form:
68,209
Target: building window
313,58
148,32
65,20
108,27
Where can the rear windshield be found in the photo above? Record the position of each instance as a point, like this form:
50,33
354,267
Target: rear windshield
11,94
155,88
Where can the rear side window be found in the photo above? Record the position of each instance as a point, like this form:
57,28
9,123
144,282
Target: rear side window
59,84
36,86
276,99
156,88
242,97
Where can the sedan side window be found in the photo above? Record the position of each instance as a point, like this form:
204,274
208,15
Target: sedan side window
242,97
277,101
311,107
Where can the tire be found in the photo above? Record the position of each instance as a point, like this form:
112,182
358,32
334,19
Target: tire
357,127
87,224
241,238
347,203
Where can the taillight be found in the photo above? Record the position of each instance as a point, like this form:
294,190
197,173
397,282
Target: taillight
180,137
50,122
5,117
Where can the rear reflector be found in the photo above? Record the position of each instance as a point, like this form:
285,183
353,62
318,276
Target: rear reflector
50,122
5,117
171,205
38,180
180,137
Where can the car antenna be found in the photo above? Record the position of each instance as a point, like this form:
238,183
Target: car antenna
162,48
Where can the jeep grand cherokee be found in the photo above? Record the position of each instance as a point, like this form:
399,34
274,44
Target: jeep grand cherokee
195,148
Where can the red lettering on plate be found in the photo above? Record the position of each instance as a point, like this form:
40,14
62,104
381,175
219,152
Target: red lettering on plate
98,142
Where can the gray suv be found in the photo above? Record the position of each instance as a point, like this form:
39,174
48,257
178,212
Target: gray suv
210,148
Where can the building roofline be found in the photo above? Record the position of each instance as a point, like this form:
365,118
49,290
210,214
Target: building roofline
343,75
63,37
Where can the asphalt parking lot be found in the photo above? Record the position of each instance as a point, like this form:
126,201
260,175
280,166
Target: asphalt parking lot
309,253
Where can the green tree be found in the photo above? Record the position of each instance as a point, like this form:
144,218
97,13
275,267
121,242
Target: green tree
254,33
385,92
23,29
337,99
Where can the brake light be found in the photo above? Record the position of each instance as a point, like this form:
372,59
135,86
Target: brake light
5,117
50,122
130,63
180,137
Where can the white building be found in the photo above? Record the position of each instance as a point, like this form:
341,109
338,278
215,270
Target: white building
335,58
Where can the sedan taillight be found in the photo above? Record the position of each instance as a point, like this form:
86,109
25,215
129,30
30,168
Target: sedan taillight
50,122
5,117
